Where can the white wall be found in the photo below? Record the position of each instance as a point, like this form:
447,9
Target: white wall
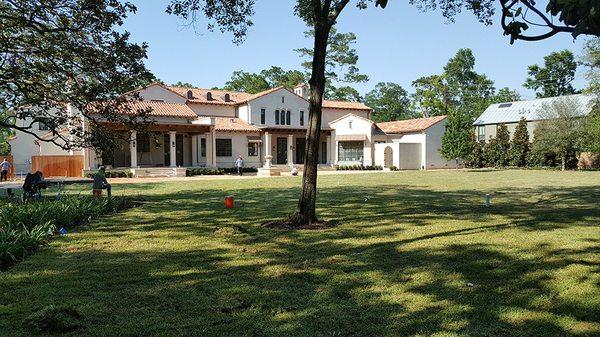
359,127
434,159
329,115
239,143
272,102
213,109
156,92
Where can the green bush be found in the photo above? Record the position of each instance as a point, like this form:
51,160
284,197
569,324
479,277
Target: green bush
24,226
358,168
112,174
203,171
393,168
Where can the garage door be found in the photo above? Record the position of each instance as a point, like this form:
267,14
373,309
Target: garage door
410,156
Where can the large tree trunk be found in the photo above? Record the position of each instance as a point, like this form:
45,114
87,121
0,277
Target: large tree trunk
306,212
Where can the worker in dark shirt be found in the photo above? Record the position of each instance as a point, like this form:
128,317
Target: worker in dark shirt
100,182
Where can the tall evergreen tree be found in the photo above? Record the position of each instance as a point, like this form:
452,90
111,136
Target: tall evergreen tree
456,141
519,147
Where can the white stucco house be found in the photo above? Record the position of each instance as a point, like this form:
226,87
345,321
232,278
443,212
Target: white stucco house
210,128
510,113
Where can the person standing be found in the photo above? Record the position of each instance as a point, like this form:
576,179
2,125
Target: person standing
239,164
4,165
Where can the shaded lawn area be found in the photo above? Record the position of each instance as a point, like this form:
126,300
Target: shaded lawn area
182,265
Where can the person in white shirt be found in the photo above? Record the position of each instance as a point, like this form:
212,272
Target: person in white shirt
4,165
239,164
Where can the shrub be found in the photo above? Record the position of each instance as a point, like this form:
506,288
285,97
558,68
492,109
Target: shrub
24,226
393,168
519,147
203,171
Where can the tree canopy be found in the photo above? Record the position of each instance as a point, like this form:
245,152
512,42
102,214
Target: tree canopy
555,77
58,52
389,102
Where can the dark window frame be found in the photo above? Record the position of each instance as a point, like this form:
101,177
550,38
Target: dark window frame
276,117
288,117
253,149
301,117
224,147
263,116
202,147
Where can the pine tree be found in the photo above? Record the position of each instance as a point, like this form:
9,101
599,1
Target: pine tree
476,158
519,147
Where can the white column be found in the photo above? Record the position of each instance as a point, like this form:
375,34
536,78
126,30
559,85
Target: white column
334,148
266,148
213,148
133,149
424,153
194,150
173,145
209,146
290,153
329,153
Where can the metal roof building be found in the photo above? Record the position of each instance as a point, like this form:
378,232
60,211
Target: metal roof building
512,112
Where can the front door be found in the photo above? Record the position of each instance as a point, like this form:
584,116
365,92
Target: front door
281,151
179,150
300,150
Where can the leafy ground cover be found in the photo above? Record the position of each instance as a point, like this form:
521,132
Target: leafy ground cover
416,254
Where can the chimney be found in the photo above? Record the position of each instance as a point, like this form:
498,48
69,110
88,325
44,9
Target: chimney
301,90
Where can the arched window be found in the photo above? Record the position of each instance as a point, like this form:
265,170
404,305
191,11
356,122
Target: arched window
276,117
288,119
209,96
282,118
190,94
227,98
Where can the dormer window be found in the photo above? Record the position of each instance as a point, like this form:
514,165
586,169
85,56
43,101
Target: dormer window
209,96
227,98
190,94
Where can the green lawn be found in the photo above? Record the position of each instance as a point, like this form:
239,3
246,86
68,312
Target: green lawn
398,265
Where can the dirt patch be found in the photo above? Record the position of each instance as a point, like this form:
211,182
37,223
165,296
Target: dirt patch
285,224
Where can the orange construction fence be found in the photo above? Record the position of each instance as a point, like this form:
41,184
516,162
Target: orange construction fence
58,166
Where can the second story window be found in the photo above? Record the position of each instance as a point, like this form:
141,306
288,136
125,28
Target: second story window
288,118
263,113
282,99
301,117
350,125
276,117
282,117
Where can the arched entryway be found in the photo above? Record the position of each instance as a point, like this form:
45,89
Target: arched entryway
388,157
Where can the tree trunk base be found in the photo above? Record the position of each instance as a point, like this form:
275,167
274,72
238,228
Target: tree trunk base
298,221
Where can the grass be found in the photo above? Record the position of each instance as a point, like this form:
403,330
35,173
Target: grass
399,265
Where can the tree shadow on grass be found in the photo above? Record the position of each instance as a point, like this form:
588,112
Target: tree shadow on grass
398,266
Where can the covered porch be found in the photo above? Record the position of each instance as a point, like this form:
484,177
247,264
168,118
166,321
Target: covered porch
163,146
287,146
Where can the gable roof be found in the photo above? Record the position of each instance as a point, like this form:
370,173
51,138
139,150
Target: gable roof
410,125
345,105
260,94
350,115
512,112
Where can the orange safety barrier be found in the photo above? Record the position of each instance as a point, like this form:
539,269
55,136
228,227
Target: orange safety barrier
58,166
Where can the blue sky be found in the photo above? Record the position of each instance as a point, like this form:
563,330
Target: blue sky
398,44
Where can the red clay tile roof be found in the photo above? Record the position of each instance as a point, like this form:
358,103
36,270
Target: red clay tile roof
345,105
162,109
410,125
233,124
260,94
218,96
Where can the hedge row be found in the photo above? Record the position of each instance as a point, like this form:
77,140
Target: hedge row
358,168
24,226
214,171
113,174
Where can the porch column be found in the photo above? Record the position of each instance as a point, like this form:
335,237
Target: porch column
328,150
334,148
194,150
133,148
209,146
213,150
173,145
290,153
266,147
